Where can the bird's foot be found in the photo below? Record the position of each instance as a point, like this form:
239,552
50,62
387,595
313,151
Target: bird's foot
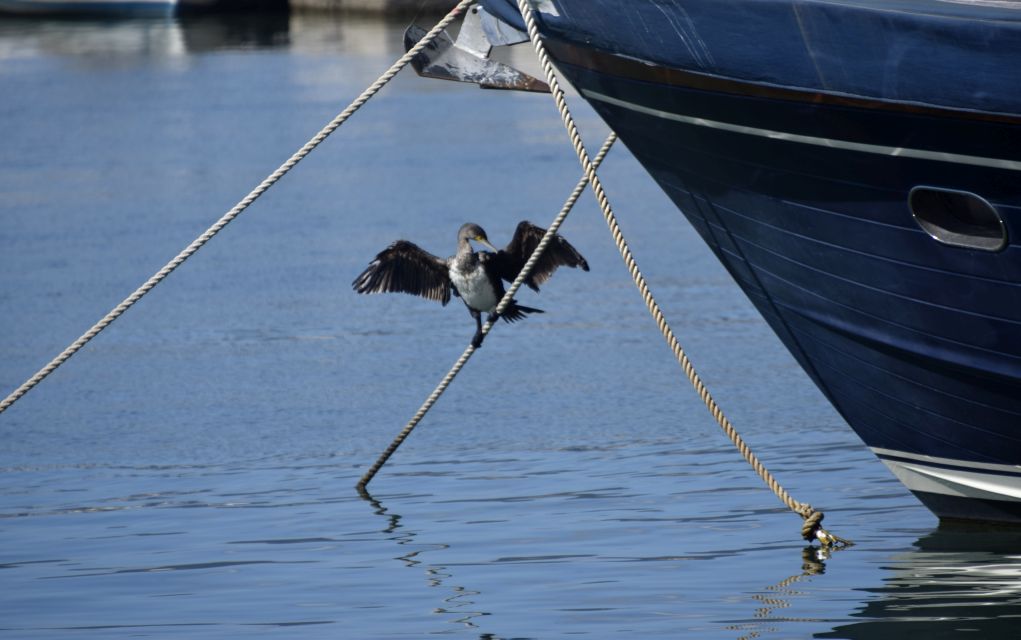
477,339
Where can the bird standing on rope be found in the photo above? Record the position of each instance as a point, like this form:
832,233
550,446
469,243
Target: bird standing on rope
475,277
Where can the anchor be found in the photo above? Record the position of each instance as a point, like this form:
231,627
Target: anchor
467,58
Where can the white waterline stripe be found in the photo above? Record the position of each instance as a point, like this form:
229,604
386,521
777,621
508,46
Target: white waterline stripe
939,156
954,482
948,461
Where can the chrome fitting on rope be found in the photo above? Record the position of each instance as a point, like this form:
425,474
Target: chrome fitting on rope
811,529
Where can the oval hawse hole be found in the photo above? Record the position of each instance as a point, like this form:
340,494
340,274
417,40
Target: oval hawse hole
958,218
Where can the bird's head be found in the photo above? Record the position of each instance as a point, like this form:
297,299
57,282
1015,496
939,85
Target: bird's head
472,231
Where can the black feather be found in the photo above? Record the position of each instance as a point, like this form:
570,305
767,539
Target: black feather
404,267
559,252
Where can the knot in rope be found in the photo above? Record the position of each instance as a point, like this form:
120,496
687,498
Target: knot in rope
812,524
812,529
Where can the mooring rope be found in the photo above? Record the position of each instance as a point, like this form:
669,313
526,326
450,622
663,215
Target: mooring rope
238,208
812,526
456,368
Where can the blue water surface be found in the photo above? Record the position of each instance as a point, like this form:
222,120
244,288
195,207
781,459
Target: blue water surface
190,473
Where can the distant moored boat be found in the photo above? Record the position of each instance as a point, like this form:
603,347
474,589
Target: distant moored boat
87,7
134,7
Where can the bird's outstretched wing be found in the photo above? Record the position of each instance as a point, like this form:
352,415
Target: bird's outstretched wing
405,267
559,252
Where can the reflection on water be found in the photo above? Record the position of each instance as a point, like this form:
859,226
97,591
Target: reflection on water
781,595
456,604
215,32
86,40
959,580
168,38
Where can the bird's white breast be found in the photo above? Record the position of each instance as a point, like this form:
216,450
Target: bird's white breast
475,288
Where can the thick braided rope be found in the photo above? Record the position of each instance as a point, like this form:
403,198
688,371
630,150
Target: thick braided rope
454,370
812,524
238,208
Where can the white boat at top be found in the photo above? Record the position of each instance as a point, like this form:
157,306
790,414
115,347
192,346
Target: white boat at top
87,7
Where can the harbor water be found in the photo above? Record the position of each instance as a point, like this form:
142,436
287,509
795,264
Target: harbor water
190,473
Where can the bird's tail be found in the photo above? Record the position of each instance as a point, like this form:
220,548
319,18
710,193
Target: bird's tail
515,311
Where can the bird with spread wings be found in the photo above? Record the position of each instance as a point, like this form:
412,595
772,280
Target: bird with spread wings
474,276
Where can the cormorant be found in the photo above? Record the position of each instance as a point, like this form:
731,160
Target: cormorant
475,277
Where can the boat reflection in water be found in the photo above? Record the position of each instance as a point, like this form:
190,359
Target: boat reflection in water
955,582
170,38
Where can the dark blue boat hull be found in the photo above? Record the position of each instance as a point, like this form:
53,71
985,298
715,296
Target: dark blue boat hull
803,194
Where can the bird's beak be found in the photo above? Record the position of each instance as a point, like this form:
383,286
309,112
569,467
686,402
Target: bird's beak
486,242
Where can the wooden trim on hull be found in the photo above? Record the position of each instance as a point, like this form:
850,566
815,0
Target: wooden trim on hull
633,69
